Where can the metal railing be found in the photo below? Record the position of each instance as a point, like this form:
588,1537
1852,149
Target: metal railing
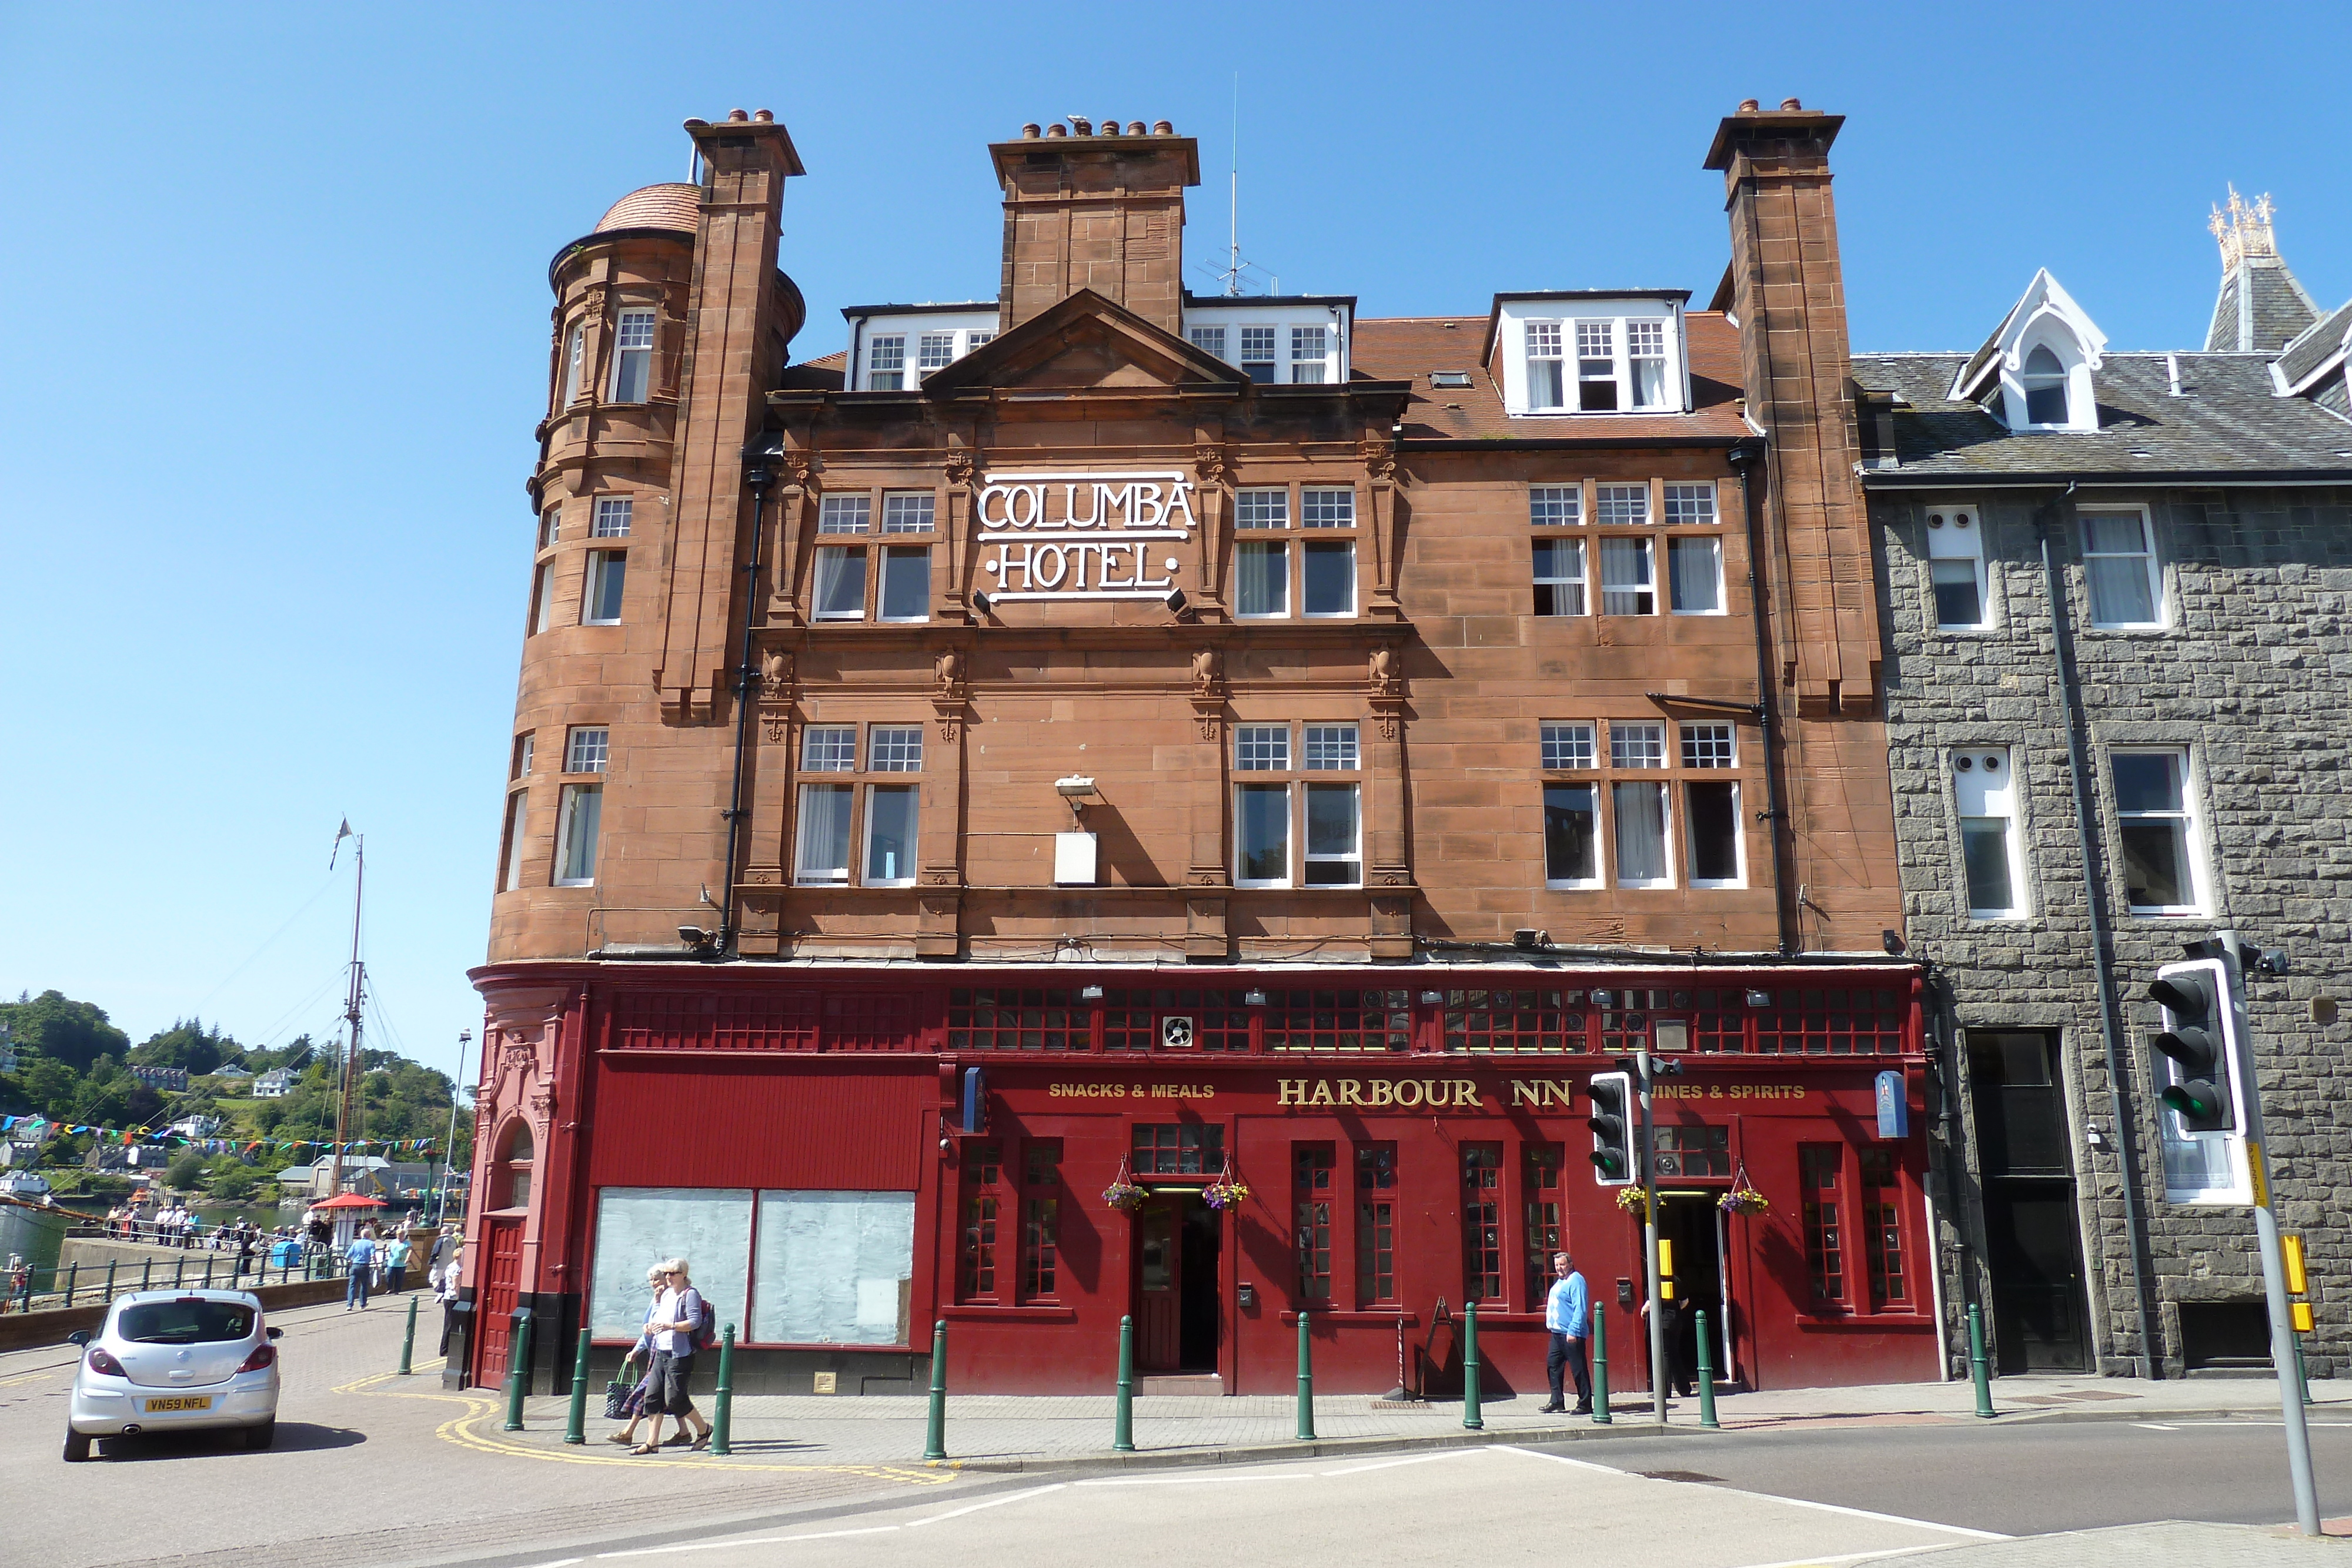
77,1284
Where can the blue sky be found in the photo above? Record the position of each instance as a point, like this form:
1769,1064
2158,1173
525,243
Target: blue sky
279,317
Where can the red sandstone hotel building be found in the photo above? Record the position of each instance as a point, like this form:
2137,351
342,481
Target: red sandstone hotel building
1107,734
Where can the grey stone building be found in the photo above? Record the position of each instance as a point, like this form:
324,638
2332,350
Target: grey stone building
2117,595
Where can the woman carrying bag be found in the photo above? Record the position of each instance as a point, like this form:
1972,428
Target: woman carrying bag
621,1401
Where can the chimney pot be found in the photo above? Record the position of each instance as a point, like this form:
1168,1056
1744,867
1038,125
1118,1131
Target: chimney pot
1162,127
1056,129
1749,106
764,116
1110,128
1081,126
738,114
1029,131
1135,128
696,124
1790,104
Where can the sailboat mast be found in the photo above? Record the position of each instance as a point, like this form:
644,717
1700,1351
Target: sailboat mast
352,1016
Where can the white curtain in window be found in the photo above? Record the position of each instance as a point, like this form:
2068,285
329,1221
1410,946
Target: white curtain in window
1698,574
2115,556
840,583
825,833
1641,831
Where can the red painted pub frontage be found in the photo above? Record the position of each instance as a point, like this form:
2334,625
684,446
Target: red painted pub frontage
1406,1142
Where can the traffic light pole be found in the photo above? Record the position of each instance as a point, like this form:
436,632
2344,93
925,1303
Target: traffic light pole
2282,1340
1650,1240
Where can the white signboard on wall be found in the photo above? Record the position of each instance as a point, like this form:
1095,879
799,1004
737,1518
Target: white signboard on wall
1083,536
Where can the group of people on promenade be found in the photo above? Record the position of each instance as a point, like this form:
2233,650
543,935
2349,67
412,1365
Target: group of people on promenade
678,1324
378,1257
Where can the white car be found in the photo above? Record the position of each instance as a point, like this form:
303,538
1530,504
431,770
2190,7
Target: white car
176,1361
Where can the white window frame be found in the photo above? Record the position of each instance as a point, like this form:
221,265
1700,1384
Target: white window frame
1308,856
892,346
1646,587
1606,332
1666,846
844,514
1254,749
1310,369
1252,502
1240,849
628,356
933,351
542,595
1592,788
517,807
1738,877
1633,742
1573,589
1330,748
1984,790
1698,745
1271,345
824,554
1327,506
1956,537
894,749
1278,551
2152,569
2190,829
1683,544
569,808
1542,343
575,359
909,512
822,749
1210,341
526,750
902,555
914,796
551,527
1690,506
1520,381
613,517
1309,549
1630,366
587,748
1565,746
602,562
804,820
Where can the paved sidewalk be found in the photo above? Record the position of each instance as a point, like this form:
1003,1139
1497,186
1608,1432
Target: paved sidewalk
996,1432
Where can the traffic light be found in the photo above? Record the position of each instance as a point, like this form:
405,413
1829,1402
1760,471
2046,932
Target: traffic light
1612,1128
2199,1038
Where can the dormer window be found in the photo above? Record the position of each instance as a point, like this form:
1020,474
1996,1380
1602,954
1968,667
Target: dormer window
1596,367
1544,366
2045,388
1583,353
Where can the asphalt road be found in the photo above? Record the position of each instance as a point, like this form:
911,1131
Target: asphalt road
2024,1480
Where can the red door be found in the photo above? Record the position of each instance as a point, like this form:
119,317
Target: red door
494,1304
1160,1296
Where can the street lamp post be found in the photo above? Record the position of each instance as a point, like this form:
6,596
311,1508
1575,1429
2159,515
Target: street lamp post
449,1148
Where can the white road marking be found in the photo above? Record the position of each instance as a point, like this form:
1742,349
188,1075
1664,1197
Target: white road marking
1845,1557
1191,1480
2156,1426
718,1545
1770,1497
1391,1464
991,1502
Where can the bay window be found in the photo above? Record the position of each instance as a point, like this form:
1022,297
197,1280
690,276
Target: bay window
633,357
578,812
607,574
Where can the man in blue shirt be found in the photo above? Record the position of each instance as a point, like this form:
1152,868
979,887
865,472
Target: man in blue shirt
1565,1314
359,1260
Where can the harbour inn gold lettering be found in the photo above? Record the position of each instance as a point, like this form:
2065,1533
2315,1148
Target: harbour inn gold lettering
1411,1093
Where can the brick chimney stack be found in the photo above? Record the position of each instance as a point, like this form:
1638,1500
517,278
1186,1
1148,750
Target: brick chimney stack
1789,294
1101,209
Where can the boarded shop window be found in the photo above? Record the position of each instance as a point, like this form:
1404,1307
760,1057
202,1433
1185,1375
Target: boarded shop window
1882,1227
1041,1206
1310,1165
1172,1148
1540,1180
982,1203
833,1268
1482,1222
1506,1023
1375,1225
637,1226
1339,1020
1817,1188
1176,1019
1014,1019
1693,1151
1834,1022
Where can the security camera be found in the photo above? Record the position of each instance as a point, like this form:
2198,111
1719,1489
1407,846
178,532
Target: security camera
1175,601
980,601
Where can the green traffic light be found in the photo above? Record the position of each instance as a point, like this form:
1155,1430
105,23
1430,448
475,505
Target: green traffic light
2184,1099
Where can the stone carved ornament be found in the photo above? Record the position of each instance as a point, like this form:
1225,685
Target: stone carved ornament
1387,669
1207,671
775,672
959,466
947,670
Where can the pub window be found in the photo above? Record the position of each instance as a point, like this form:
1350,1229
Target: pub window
1834,1022
1310,1168
1482,1222
514,1167
886,362
1178,1148
1817,1189
1009,1019
1539,1167
633,357
1514,1024
1376,1180
1559,577
1334,1021
1699,1151
983,1205
1040,1206
1176,1019
1881,1227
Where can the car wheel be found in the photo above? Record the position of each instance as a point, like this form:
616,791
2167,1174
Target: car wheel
77,1446
261,1437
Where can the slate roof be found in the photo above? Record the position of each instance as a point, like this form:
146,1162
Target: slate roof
2228,423
1410,349
2260,306
2321,341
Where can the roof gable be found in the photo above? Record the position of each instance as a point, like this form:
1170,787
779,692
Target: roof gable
2043,308
1086,342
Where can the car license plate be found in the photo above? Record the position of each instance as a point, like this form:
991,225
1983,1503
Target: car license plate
190,1402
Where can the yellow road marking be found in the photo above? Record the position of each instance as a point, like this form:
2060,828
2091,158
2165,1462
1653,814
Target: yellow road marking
472,1430
27,1377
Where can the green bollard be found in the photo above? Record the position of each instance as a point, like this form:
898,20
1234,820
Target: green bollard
518,1372
1977,1367
575,1428
1601,1416
179,1273
208,1273
1122,1424
109,1278
1471,1417
73,1278
408,1338
2301,1372
935,1431
1705,1379
1306,1383
722,1403
147,1273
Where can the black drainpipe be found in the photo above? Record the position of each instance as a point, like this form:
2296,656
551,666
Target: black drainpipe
759,477
1745,456
2094,885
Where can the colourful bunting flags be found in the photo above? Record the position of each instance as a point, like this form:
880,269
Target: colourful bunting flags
39,1127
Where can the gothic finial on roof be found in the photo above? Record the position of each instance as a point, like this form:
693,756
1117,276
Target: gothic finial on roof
2244,230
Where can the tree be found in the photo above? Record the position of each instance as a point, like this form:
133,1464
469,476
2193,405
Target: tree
188,1044
230,1179
185,1171
74,1034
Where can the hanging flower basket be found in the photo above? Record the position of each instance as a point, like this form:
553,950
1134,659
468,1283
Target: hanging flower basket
1227,1191
1123,1195
1632,1200
1743,1198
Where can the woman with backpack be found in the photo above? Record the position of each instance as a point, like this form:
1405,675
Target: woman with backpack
679,1326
